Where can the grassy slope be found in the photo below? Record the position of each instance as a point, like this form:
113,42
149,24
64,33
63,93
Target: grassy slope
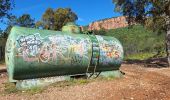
138,42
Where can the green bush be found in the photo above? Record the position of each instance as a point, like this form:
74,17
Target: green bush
138,40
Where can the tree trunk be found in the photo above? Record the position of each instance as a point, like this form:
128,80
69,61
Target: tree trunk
168,46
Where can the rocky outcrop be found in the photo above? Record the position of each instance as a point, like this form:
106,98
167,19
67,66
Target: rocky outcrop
111,23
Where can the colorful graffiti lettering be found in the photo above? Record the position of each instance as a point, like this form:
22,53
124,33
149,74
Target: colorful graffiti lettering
76,59
29,47
58,48
30,43
65,49
109,51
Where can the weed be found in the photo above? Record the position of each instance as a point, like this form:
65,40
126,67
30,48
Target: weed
34,90
10,88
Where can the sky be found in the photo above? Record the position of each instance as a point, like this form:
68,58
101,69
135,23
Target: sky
86,10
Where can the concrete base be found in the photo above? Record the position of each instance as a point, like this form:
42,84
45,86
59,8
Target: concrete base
42,82
116,74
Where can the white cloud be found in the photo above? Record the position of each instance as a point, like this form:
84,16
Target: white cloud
81,19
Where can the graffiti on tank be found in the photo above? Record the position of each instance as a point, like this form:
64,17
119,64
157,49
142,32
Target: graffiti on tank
109,51
77,60
70,46
78,49
57,48
29,46
45,53
31,43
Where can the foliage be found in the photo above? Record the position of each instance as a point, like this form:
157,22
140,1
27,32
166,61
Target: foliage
85,27
39,24
140,56
55,19
48,19
87,32
138,40
6,6
7,31
154,14
140,10
24,21
100,32
10,88
96,32
1,33
34,90
2,62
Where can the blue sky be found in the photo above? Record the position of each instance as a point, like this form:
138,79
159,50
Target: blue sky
86,10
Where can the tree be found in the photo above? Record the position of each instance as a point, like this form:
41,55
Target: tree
154,14
12,21
63,16
1,33
5,7
24,21
55,19
39,24
48,19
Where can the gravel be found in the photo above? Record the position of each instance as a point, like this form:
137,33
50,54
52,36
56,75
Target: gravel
138,83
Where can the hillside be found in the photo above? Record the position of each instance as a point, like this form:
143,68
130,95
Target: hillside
109,23
138,41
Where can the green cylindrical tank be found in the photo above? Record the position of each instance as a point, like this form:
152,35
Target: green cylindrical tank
71,28
33,53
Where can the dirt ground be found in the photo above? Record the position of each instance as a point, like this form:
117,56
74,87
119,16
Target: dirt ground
138,83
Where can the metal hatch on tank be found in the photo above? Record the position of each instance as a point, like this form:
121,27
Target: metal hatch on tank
34,54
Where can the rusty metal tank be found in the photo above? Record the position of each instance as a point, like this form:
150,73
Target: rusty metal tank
33,53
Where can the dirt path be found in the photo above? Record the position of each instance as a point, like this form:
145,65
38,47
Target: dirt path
139,83
2,66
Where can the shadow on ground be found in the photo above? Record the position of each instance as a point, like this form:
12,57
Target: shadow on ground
151,62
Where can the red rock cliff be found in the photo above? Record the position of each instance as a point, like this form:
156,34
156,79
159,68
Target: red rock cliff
111,23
